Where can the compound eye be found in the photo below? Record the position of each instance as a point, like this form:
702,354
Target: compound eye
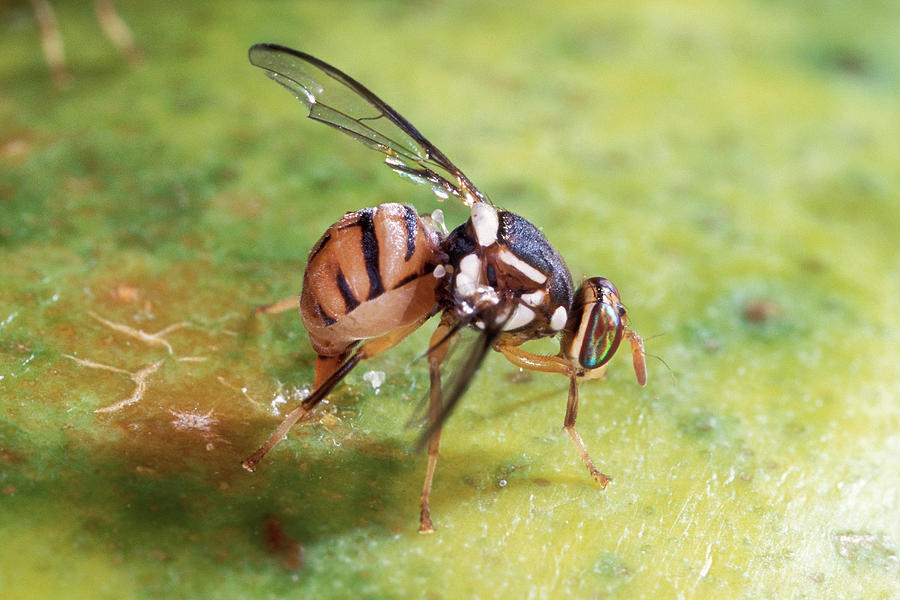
603,331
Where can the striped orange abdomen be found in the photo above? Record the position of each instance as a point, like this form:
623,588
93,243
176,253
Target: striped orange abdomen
370,273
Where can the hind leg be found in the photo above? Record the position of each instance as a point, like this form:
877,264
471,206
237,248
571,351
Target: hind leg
329,372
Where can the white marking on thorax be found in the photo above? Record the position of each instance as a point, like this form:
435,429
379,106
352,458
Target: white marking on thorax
469,287
470,266
485,222
469,275
521,266
534,299
521,316
559,318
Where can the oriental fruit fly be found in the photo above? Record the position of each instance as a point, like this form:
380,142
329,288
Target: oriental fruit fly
378,274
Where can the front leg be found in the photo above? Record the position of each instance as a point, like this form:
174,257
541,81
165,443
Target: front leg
571,415
556,364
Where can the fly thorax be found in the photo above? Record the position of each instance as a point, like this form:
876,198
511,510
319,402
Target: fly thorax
507,271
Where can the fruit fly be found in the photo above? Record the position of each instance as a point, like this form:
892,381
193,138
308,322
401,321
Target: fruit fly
378,274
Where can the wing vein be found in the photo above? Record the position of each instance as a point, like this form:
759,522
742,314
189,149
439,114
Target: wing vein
334,98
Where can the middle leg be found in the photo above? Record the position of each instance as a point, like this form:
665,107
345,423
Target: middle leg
437,352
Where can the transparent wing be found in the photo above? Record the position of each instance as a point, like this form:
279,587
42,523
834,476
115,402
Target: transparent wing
474,355
334,98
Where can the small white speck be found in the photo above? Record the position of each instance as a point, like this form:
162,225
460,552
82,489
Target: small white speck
297,394
51,300
440,192
8,319
730,477
375,379
706,565
438,217
276,401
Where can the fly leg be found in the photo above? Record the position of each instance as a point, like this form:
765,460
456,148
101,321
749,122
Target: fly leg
556,364
117,30
569,424
437,352
329,372
51,41
279,306
637,356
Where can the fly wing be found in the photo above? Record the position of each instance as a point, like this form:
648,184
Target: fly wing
334,98
459,382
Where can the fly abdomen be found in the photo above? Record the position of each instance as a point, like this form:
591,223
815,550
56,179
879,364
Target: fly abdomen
370,272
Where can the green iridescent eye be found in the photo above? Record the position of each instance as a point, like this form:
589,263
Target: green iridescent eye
602,335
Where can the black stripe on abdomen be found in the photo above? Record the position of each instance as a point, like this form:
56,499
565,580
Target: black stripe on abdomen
370,253
325,318
412,226
426,269
350,301
320,245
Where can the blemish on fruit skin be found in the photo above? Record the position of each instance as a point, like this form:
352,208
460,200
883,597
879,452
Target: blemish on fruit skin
375,379
865,547
191,420
125,293
140,378
760,311
281,545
